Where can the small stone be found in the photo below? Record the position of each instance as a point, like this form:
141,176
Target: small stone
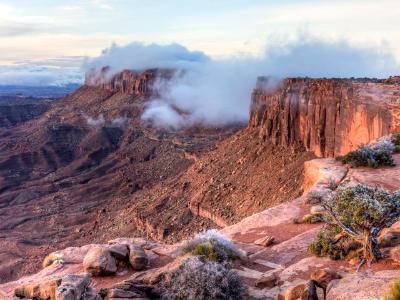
137,257
265,241
119,251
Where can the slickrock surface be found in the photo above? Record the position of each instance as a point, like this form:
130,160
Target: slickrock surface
327,116
364,285
384,177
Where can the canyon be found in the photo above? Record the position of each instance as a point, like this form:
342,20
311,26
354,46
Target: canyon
87,169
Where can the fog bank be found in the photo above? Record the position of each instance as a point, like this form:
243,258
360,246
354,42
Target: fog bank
216,92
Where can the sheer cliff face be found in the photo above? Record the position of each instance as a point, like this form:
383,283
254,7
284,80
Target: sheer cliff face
129,82
328,116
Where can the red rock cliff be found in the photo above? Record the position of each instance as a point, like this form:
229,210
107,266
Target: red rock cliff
138,83
328,116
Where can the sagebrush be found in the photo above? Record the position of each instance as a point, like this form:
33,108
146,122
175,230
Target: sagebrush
378,154
214,246
199,279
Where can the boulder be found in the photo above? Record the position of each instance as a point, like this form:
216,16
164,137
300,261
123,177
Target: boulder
137,257
265,241
322,277
99,261
267,281
45,289
73,286
119,251
297,292
389,239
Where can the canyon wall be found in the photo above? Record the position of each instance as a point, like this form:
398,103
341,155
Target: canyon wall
137,83
327,116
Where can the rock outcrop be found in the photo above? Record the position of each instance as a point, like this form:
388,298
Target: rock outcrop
128,81
327,116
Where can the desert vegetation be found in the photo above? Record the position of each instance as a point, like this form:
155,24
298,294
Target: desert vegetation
198,279
214,246
361,212
375,155
331,242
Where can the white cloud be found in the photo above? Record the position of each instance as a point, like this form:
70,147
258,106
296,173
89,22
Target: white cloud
217,91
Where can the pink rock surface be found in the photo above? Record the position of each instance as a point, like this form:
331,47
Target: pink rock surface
384,177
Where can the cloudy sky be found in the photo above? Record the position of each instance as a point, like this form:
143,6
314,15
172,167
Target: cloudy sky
48,39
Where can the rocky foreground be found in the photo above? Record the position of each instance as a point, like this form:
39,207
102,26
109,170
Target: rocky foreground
278,264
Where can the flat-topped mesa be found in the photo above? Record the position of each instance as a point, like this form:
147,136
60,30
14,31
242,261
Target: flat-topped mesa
137,83
328,116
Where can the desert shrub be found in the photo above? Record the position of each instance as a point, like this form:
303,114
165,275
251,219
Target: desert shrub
396,142
378,154
328,244
394,292
214,246
198,279
314,218
362,212
52,258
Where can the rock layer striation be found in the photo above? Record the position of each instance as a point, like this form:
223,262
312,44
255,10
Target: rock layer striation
327,116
